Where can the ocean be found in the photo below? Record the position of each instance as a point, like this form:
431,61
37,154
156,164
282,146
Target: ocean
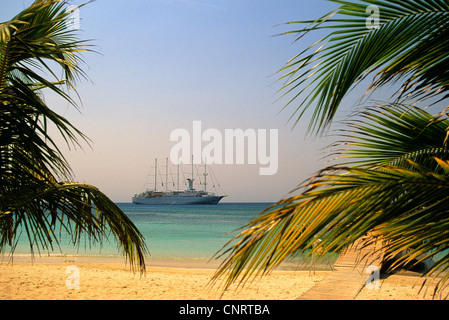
190,232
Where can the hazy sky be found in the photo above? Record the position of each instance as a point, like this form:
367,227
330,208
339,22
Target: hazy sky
162,64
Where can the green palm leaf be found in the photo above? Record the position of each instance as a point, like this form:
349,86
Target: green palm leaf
81,210
391,135
409,46
38,41
32,39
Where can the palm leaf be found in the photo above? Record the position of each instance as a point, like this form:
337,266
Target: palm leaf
36,35
391,135
410,47
80,209
33,44
408,209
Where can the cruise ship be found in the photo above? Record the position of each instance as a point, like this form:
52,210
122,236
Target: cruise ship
191,196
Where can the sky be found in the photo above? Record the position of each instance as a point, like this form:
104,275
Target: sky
160,65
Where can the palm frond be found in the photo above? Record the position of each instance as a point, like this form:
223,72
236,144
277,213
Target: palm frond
32,39
80,209
391,135
398,192
407,208
409,46
35,43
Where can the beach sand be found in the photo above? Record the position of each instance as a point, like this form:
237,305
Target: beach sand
108,279
46,279
407,286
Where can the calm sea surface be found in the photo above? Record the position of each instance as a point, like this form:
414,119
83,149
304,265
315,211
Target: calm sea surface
172,232
190,232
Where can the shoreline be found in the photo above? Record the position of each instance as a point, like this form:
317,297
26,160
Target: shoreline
184,263
86,259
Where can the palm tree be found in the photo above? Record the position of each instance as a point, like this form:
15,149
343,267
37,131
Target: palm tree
392,179
36,192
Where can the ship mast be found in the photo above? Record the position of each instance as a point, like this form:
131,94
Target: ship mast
192,169
155,175
166,174
178,178
191,179
205,174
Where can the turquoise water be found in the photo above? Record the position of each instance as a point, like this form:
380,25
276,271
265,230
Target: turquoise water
172,232
190,232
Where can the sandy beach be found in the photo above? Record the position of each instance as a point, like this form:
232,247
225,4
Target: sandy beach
51,279
408,286
108,279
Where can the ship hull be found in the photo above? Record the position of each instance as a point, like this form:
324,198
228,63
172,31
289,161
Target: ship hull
169,200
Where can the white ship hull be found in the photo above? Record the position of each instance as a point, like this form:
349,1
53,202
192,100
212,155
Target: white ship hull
177,200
